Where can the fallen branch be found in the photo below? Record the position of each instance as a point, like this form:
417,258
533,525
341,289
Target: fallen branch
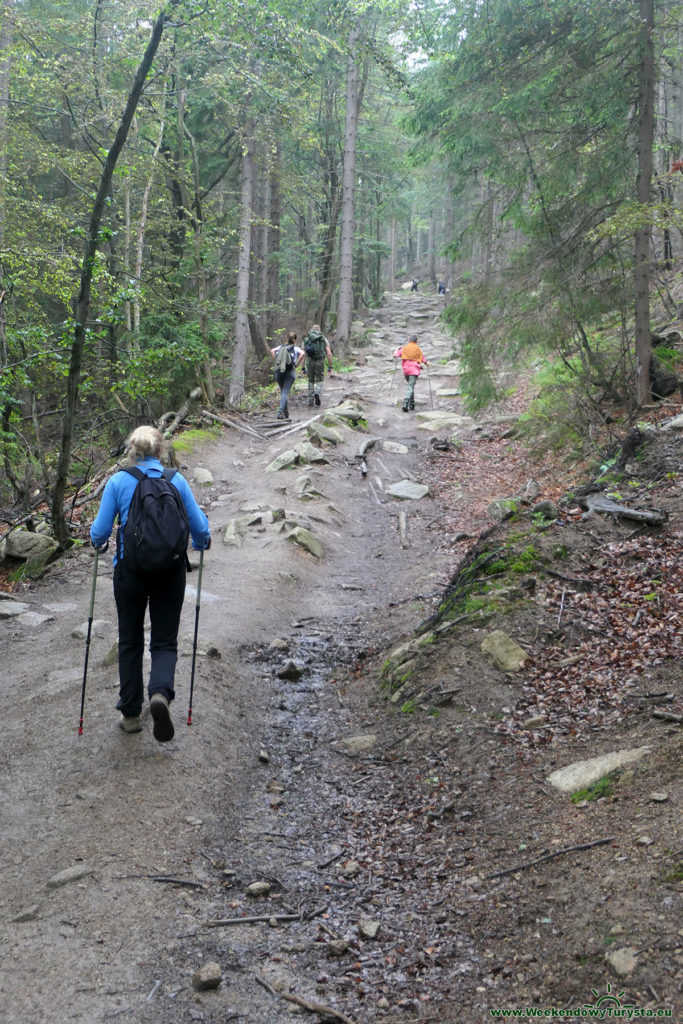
559,617
182,413
572,579
551,856
225,922
168,880
667,716
305,1004
227,422
294,429
598,503
565,662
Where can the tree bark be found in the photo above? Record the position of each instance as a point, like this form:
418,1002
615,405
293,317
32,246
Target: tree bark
274,218
642,271
241,343
142,223
345,300
60,527
5,65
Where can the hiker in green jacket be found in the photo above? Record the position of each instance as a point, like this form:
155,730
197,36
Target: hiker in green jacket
317,348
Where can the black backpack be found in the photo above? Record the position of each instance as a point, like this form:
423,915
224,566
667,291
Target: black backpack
157,530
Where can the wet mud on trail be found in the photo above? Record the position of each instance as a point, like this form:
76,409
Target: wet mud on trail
118,854
324,847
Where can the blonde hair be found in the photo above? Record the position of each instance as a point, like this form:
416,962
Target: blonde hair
144,441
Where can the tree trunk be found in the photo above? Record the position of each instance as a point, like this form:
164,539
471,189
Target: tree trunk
274,217
642,272
60,527
391,284
205,373
432,250
5,64
241,343
345,300
142,223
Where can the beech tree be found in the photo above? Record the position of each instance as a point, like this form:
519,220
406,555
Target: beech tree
93,241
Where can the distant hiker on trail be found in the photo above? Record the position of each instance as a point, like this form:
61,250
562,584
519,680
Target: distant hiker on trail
317,348
441,288
414,285
149,569
287,357
412,362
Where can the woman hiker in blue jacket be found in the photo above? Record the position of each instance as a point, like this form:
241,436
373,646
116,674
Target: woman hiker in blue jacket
163,591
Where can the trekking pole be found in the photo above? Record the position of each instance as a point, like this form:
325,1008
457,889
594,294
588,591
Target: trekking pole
429,381
87,639
196,628
393,374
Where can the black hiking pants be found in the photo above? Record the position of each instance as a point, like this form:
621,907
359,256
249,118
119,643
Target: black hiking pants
134,592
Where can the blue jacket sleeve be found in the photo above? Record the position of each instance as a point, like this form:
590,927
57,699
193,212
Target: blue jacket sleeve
104,521
199,524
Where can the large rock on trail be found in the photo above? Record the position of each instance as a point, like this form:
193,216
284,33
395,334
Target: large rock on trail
34,548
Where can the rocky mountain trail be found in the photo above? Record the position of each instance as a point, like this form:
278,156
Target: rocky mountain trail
359,824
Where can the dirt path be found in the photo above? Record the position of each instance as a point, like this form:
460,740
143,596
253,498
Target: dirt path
378,822
238,797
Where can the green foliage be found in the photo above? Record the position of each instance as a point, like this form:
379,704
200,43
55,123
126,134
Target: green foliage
602,788
188,440
530,107
676,873
166,361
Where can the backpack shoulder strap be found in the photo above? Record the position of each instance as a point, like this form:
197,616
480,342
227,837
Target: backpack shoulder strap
134,471
169,473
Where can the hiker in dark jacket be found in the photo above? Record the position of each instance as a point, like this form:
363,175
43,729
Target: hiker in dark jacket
163,591
285,373
317,348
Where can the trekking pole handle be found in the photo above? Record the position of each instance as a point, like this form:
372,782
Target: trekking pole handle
94,580
199,577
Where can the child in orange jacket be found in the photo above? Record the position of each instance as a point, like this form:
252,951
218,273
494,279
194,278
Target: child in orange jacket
412,361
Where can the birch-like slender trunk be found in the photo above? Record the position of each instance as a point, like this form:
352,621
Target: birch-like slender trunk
273,269
142,223
241,342
345,300
5,65
642,272
60,527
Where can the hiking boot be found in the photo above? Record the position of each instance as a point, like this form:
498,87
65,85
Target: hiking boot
280,414
405,407
130,724
310,401
316,399
411,406
163,726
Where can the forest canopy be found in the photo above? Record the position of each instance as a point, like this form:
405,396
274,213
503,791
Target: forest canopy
181,185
